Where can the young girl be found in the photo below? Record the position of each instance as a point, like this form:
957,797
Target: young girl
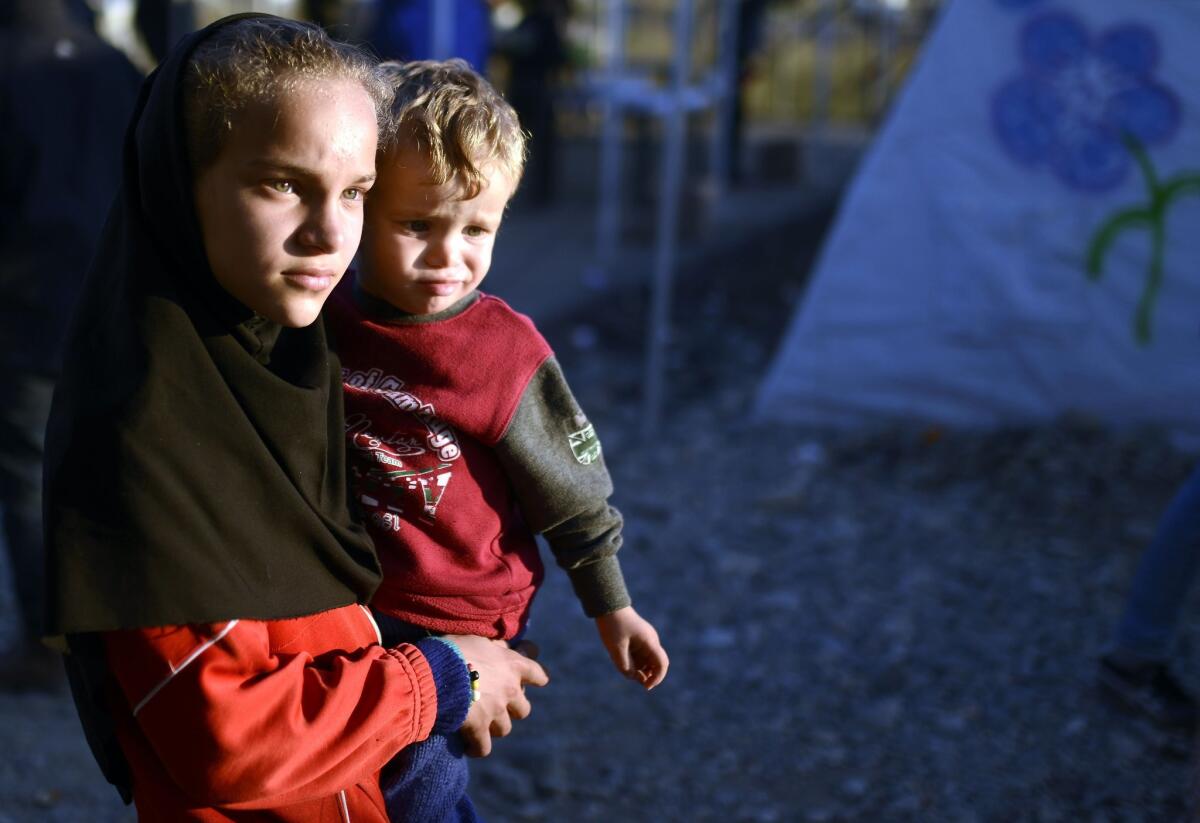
203,564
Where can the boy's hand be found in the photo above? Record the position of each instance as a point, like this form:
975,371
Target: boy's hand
634,647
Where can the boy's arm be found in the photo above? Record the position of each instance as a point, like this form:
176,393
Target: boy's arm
552,457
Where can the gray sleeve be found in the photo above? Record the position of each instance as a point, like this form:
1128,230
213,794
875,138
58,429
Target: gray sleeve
552,457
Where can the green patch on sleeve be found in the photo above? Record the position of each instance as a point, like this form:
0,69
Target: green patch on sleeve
585,445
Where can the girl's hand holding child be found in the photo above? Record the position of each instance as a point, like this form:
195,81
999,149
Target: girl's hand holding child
634,646
503,675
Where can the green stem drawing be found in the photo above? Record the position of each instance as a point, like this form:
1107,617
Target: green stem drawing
1150,216
1145,309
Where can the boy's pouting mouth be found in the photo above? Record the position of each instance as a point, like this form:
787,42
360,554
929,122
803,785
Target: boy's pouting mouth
426,245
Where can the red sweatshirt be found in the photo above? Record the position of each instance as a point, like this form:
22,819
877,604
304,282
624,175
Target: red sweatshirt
426,404
283,720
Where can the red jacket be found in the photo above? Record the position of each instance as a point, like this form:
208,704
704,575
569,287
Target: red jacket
282,720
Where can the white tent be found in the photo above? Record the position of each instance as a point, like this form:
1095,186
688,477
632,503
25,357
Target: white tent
1023,238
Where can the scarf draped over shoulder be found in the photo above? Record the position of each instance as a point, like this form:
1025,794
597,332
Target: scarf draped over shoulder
194,469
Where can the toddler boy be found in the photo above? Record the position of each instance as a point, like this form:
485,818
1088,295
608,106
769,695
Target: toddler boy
463,437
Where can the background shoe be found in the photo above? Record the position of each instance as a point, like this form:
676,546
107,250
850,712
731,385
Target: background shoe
1149,690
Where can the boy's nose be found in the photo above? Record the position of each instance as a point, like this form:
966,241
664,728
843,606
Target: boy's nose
441,252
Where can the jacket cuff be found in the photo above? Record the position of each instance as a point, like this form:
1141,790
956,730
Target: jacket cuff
452,682
600,586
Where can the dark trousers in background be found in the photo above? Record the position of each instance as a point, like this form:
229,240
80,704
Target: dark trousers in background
1165,574
24,409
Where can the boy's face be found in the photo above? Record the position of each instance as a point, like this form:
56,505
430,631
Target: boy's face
281,208
424,249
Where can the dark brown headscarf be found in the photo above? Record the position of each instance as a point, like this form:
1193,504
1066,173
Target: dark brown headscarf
195,469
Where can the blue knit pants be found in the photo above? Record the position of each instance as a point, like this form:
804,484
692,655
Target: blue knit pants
427,783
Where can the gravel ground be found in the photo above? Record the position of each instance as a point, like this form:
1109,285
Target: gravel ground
893,625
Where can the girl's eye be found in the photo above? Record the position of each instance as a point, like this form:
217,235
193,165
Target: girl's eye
417,225
354,194
282,186
473,231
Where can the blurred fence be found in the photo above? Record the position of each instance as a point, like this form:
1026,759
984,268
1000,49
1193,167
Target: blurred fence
804,63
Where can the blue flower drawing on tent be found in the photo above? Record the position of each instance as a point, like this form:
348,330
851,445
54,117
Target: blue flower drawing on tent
1088,109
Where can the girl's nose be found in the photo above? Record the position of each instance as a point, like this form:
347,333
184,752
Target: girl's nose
324,230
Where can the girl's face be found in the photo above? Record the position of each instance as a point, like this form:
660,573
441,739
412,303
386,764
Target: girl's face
281,208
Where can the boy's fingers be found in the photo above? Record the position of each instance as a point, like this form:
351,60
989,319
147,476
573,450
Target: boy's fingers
655,678
655,667
620,656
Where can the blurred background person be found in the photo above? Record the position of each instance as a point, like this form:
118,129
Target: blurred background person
404,30
752,16
325,13
1134,674
161,23
536,51
65,96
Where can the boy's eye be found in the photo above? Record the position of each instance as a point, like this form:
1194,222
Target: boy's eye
355,194
416,225
282,186
473,231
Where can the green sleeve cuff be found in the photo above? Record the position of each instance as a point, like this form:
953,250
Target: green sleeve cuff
600,586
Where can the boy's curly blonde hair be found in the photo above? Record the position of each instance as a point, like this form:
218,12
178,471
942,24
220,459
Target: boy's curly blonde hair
456,119
255,59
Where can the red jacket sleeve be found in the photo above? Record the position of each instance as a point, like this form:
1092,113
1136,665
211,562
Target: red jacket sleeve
239,724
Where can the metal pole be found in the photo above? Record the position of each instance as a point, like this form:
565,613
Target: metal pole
823,68
888,25
608,212
727,70
673,149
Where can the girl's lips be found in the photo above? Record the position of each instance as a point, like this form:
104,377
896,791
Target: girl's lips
317,280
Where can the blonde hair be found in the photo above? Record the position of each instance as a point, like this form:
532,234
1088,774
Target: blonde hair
456,119
253,61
